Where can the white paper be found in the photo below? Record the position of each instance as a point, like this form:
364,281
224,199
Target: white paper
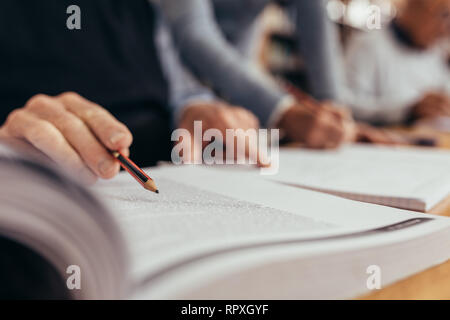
390,172
201,210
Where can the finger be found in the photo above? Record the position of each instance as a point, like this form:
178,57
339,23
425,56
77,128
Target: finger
227,119
113,134
324,139
125,152
48,139
339,112
329,133
240,122
93,153
196,155
246,119
379,136
252,151
397,139
350,131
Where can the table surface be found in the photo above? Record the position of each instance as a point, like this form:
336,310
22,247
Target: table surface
433,283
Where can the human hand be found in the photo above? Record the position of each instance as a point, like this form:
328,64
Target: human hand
73,132
368,134
221,116
432,105
317,125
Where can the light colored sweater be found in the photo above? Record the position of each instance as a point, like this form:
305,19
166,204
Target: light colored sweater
386,77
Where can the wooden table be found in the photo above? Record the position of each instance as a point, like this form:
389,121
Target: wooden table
433,283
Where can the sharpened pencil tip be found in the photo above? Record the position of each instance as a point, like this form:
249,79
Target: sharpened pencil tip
151,186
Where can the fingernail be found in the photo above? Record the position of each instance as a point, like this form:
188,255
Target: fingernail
106,166
116,137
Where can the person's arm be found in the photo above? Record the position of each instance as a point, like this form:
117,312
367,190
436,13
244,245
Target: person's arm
193,102
184,88
216,63
206,52
320,48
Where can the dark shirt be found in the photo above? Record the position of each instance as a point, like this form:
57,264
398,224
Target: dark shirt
112,60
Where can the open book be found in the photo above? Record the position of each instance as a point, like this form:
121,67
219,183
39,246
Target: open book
401,177
210,233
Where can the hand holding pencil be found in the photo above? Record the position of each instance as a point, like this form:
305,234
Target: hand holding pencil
75,133
318,125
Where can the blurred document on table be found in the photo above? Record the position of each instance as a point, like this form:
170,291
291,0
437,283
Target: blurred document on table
407,178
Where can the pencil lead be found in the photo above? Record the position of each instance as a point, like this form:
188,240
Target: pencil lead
157,191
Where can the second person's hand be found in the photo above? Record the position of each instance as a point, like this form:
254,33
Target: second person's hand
320,126
221,116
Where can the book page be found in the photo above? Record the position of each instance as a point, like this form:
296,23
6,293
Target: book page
201,212
391,172
183,219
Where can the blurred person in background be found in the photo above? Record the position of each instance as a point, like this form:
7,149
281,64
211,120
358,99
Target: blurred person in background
211,36
402,73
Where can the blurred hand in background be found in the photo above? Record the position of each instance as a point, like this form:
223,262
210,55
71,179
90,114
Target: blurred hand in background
317,125
432,105
221,116
366,133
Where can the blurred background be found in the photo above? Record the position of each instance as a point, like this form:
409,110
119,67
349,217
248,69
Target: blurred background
278,52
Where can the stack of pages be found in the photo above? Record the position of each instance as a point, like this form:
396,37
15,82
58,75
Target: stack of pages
214,233
407,178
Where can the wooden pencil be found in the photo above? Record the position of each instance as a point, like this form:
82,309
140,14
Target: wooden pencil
136,172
